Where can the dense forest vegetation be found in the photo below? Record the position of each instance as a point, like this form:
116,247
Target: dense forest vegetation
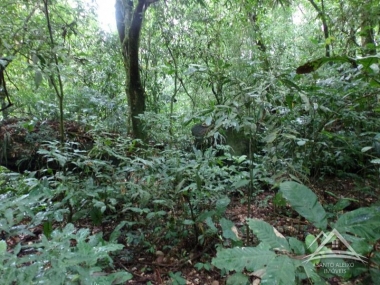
201,142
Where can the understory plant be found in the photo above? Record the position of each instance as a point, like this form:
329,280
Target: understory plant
69,255
280,260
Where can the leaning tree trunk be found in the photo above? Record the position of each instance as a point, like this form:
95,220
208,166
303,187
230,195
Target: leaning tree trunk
129,22
322,14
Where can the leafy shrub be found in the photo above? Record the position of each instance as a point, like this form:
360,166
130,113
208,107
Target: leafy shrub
70,257
67,256
277,260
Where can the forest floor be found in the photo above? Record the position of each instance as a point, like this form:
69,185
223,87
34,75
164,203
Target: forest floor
147,268
150,268
155,268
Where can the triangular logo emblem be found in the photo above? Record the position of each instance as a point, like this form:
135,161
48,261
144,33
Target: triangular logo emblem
320,253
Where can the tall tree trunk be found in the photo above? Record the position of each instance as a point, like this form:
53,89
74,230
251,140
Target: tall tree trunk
322,15
129,21
367,32
56,77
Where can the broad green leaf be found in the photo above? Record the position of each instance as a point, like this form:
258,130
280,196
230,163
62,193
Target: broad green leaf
241,258
211,225
228,229
305,202
362,246
222,204
375,275
266,233
341,204
363,222
297,246
237,279
280,270
240,183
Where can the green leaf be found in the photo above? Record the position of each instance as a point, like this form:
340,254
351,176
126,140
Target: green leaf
362,246
310,272
296,246
47,229
280,271
227,228
208,121
266,233
222,204
375,68
114,278
211,225
363,222
238,279
203,216
375,275
188,222
240,183
341,204
117,231
37,78
305,101
59,215
177,279
241,258
270,138
367,148
301,142
3,246
278,200
207,266
8,214
329,40
311,243
305,202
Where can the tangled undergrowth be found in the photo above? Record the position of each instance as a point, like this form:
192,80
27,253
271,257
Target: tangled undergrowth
120,212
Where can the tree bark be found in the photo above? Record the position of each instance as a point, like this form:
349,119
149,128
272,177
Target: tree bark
367,30
129,21
322,15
